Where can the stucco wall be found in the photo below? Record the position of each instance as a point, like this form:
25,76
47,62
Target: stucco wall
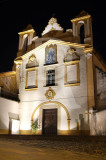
74,98
7,108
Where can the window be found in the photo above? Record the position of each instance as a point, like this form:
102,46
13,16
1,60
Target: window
71,62
82,34
31,78
25,44
32,73
50,78
72,73
71,77
51,54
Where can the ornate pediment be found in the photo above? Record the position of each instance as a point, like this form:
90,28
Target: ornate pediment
32,62
71,55
52,21
52,25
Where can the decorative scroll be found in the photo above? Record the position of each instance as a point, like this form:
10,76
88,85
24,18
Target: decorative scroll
52,25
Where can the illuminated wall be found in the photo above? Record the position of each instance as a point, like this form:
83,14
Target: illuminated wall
9,110
73,97
72,65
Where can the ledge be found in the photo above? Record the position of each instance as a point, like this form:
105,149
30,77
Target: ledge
71,84
71,62
50,64
32,68
31,89
51,85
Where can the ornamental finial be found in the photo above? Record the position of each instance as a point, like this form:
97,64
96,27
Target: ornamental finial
52,21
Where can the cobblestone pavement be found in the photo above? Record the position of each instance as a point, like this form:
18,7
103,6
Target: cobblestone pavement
76,148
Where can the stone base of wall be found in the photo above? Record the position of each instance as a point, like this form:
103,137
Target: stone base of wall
74,132
4,131
25,132
59,132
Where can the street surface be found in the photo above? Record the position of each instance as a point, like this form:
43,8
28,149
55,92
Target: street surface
32,149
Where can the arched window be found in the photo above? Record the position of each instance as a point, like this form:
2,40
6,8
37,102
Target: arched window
81,31
82,34
25,43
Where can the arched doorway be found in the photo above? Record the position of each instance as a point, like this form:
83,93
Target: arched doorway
52,108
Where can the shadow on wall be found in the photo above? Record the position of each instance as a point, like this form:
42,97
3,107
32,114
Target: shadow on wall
3,128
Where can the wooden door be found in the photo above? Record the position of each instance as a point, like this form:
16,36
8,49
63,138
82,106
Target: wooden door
50,121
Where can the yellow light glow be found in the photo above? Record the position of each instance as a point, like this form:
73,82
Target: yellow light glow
80,18
11,73
26,32
15,126
48,43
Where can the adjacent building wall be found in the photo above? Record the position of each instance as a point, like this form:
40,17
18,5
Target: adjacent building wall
98,123
8,110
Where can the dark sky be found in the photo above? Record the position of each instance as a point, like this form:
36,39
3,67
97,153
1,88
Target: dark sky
16,15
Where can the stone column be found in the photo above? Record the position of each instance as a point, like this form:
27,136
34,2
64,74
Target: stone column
18,75
92,122
74,29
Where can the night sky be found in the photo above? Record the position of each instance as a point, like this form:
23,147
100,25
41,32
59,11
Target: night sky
16,15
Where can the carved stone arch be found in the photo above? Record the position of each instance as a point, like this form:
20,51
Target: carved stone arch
58,103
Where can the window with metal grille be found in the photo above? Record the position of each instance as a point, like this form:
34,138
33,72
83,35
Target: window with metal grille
50,78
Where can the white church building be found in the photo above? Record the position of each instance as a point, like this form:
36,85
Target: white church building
57,82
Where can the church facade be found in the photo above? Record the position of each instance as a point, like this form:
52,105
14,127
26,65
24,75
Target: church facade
54,85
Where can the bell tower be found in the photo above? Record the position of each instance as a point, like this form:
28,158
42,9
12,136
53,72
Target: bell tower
82,28
25,40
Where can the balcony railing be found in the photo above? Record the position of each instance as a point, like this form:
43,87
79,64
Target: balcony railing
9,95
